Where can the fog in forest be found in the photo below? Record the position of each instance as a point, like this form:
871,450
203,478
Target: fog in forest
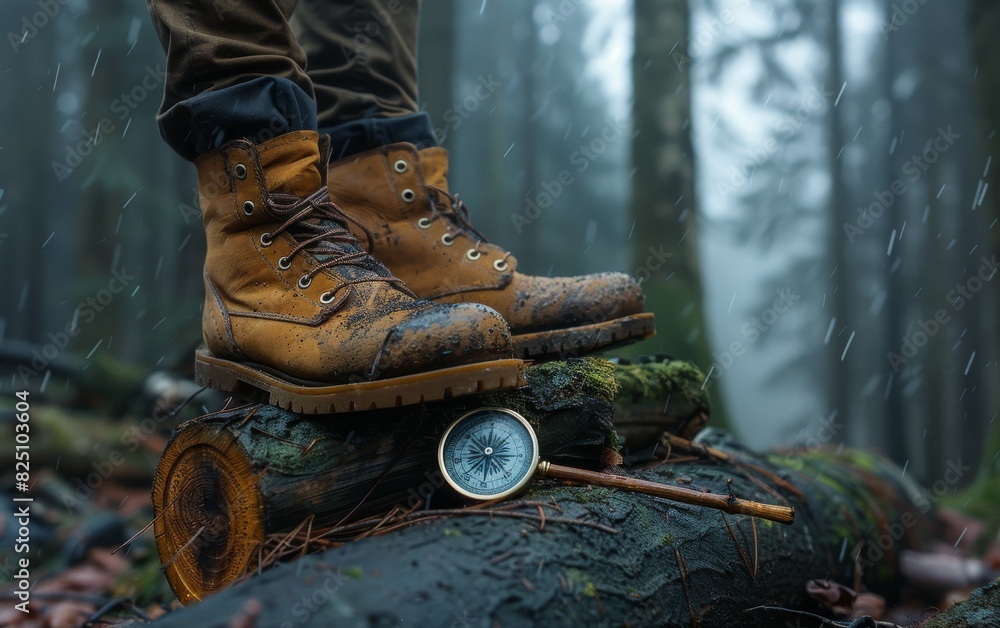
805,189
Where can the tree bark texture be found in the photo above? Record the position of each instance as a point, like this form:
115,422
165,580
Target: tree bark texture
240,487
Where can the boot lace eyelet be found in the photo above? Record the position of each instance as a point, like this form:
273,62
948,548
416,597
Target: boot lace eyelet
240,171
473,254
326,298
305,281
501,265
248,208
284,263
408,195
265,239
424,223
447,239
399,166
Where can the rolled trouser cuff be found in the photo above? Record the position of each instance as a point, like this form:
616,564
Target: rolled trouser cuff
258,110
358,136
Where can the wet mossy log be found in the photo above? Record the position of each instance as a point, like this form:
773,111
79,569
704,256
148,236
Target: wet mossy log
657,393
982,608
232,483
227,480
606,557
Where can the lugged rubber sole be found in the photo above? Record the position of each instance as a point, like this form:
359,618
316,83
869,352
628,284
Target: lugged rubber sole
584,339
456,381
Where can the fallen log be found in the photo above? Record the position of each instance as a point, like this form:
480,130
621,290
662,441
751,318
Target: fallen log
658,394
240,490
578,555
982,608
227,480
87,447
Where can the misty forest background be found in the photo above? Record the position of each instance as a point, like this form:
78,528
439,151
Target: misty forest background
719,150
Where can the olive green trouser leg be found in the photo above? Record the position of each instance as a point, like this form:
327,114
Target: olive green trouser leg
362,57
234,69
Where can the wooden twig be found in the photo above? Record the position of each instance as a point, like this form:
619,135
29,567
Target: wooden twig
106,608
305,543
678,459
287,538
501,513
386,520
146,527
311,445
254,428
177,409
739,548
183,547
682,568
711,453
600,607
823,622
247,418
395,520
730,504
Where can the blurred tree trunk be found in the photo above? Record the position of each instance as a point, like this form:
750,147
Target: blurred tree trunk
663,199
535,155
434,57
984,21
853,182
100,179
137,202
908,230
91,188
37,218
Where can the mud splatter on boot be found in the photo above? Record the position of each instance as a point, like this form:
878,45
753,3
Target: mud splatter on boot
400,200
297,309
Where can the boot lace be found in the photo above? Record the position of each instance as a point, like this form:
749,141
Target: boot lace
319,227
457,213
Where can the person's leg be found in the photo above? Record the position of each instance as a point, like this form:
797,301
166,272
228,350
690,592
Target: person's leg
391,179
398,196
362,59
234,70
294,306
389,176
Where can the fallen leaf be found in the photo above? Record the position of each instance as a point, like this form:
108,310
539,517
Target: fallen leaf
102,557
248,615
836,598
68,613
80,579
869,604
155,611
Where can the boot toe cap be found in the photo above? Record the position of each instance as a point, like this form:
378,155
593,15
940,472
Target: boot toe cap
442,336
548,303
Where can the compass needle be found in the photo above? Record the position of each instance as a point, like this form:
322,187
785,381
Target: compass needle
485,462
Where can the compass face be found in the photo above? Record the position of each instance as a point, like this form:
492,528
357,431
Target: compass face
488,453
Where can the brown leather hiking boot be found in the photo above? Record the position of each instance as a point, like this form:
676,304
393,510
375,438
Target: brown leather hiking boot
296,308
399,197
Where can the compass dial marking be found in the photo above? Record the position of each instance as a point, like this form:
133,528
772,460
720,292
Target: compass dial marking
488,453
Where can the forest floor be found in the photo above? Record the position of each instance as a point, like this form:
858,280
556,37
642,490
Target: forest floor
92,559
